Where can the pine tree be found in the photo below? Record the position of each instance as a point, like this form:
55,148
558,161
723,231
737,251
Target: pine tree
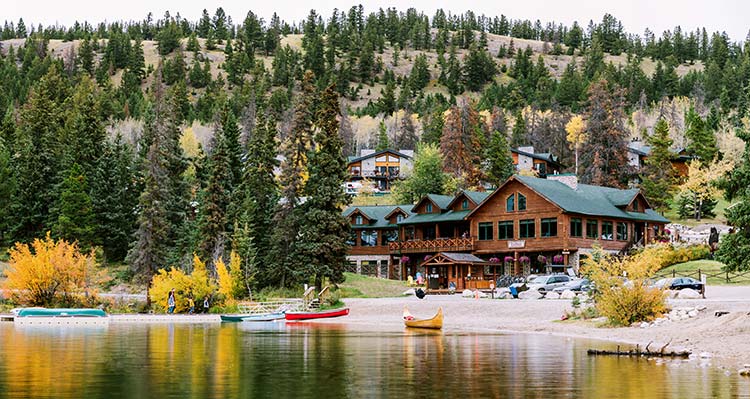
219,22
86,57
84,135
312,43
460,144
406,138
7,186
658,175
75,220
420,74
284,268
734,248
604,155
387,100
204,25
518,134
349,146
324,231
498,161
114,198
702,142
383,141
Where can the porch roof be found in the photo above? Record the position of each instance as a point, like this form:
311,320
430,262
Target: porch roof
450,216
454,257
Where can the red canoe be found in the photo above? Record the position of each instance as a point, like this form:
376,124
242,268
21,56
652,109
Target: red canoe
316,315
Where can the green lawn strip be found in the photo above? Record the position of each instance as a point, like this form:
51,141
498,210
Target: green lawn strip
712,268
359,286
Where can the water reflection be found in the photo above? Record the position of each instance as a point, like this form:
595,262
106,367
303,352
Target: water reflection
306,360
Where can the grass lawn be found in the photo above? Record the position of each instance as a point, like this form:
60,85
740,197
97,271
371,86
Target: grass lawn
359,286
368,200
712,268
721,205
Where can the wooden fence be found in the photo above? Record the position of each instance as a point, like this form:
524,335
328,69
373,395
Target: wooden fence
727,277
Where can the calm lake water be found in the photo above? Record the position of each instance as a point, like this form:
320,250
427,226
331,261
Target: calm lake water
278,360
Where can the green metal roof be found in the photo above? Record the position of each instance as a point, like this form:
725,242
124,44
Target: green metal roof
377,214
450,216
442,201
477,196
590,200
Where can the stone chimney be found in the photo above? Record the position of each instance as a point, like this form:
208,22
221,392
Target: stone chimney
529,149
568,179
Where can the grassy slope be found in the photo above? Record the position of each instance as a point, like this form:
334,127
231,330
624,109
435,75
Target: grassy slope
719,219
358,286
711,268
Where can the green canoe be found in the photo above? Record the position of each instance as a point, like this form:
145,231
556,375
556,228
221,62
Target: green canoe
252,317
37,312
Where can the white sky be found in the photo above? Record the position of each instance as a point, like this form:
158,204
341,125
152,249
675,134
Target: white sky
636,15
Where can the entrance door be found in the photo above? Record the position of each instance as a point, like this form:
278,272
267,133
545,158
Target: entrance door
639,229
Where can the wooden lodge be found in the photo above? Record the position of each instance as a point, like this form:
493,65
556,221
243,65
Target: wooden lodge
380,167
528,225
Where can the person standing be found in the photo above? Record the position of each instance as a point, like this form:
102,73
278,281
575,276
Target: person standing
191,305
171,302
206,304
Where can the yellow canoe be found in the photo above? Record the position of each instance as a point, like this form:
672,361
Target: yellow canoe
436,322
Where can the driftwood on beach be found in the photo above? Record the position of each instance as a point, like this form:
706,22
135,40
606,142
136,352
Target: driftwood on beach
638,352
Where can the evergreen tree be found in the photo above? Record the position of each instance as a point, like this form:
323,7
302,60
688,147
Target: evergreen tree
7,186
114,198
84,134
479,68
387,101
460,144
406,138
312,43
420,74
86,57
518,134
498,160
383,141
204,25
284,269
324,230
604,155
220,28
658,175
734,248
702,142
432,126
75,220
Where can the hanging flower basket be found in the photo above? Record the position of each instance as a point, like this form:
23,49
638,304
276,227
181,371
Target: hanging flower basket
404,259
495,259
524,259
558,259
541,259
508,259
427,257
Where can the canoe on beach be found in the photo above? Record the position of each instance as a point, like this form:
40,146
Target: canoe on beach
252,317
44,312
317,315
435,323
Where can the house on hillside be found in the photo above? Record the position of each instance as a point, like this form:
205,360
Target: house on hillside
639,151
528,225
524,158
380,167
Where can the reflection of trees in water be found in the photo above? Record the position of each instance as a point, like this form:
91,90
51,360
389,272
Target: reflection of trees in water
305,360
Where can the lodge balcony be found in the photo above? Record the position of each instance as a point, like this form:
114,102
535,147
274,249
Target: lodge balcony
434,245
376,174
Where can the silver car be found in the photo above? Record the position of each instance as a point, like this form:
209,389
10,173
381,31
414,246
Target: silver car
548,283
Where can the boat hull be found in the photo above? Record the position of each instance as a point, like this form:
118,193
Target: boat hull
37,312
251,317
316,315
435,323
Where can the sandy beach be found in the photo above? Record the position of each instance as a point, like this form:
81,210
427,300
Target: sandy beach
725,339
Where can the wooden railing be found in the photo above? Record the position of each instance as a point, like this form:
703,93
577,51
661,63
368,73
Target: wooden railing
438,244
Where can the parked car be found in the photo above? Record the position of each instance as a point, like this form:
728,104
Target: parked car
577,285
548,283
679,283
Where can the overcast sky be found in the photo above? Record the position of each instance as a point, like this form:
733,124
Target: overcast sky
636,15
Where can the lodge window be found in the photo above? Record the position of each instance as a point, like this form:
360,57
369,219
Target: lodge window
510,203
358,220
368,238
388,236
576,227
521,202
592,229
428,208
526,228
622,231
428,233
485,231
549,227
505,230
399,218
635,205
465,204
607,231
409,232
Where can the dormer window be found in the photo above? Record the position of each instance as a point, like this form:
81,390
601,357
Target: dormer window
399,218
521,202
358,219
465,204
510,203
428,207
635,205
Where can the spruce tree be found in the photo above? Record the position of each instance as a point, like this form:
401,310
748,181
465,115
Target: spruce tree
658,175
406,137
498,160
702,142
7,186
324,230
75,220
734,248
383,141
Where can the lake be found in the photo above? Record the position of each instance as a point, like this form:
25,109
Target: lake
301,360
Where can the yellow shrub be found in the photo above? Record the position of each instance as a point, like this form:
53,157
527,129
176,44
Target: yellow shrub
230,279
622,302
197,284
49,272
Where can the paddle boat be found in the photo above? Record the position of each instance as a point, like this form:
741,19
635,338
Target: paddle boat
316,315
252,317
59,317
435,323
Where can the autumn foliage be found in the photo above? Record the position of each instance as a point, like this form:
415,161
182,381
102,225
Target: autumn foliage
49,272
196,284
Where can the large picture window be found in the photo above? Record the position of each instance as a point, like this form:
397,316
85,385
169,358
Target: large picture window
485,231
521,202
388,236
428,207
576,227
368,238
526,228
592,229
510,203
549,227
622,231
607,231
505,230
